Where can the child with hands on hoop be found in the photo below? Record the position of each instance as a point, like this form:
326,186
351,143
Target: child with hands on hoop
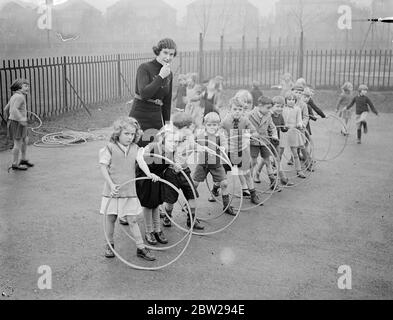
118,164
210,163
261,118
238,130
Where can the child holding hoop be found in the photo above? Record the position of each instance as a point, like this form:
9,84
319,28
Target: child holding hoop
345,99
238,130
17,124
210,163
118,163
293,138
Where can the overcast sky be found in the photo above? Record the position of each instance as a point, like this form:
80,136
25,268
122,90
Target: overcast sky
265,6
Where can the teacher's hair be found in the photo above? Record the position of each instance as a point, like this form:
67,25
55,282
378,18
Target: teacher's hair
164,44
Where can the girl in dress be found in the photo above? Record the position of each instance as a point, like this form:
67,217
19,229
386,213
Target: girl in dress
17,124
345,99
193,98
117,163
293,138
152,194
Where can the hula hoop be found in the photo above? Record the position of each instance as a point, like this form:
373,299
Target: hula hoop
132,265
325,158
194,193
264,191
227,161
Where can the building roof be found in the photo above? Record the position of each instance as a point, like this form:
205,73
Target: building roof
23,4
111,4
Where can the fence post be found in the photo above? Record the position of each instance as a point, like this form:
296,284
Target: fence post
222,55
65,82
301,55
200,57
118,75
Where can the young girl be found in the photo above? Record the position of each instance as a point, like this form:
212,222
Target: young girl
152,194
286,83
345,99
181,93
193,100
117,163
17,124
293,139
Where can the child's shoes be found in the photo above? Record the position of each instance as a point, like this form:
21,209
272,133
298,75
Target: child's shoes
160,237
108,251
150,238
29,164
145,254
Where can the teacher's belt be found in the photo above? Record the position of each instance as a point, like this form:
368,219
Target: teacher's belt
157,102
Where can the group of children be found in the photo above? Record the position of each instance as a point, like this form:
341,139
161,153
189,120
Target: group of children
255,130
247,138
363,104
197,100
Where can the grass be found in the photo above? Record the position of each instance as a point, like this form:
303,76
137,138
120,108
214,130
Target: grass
103,115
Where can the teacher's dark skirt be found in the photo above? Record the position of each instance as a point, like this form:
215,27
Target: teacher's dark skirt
149,116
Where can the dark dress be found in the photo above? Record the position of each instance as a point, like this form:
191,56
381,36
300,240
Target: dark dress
151,194
150,86
312,106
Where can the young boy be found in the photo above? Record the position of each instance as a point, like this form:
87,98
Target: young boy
278,120
238,131
363,103
261,118
209,163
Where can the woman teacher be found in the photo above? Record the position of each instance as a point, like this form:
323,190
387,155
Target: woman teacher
153,91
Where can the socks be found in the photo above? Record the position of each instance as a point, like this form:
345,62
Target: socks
359,134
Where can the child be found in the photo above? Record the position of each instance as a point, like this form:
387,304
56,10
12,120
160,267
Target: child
209,163
286,83
181,93
17,124
298,90
255,92
193,100
245,98
208,100
363,103
219,95
117,163
345,99
175,138
293,139
150,193
262,120
238,131
278,120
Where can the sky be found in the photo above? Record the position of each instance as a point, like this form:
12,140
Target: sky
266,7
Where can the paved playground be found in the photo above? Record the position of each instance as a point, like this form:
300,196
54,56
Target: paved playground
290,248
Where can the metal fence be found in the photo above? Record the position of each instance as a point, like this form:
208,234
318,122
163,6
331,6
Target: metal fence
61,84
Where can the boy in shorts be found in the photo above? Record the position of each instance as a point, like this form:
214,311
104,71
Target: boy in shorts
210,163
261,118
